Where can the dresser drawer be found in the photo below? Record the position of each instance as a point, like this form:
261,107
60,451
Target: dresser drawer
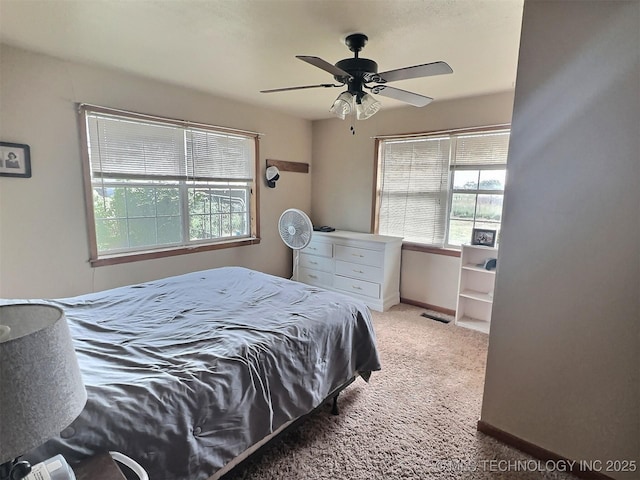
360,287
363,265
319,248
362,256
316,262
315,277
356,270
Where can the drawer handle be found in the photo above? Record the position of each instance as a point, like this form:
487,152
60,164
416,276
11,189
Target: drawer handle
312,248
355,287
312,276
358,271
313,263
357,255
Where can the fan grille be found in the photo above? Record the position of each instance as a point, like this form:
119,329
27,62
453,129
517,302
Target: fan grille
295,228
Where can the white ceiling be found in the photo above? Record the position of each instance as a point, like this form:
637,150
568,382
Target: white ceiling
235,48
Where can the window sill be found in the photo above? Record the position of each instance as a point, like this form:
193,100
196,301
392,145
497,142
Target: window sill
170,252
419,247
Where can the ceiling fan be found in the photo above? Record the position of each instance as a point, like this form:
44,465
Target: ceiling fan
357,73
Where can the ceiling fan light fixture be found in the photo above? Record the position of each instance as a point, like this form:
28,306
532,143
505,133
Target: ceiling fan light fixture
357,73
343,105
366,106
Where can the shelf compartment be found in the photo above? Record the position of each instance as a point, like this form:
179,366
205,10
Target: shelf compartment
475,268
474,324
475,295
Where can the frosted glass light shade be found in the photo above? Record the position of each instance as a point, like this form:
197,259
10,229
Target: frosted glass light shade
41,388
343,105
367,107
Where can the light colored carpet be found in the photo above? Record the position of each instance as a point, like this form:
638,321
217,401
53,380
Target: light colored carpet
416,419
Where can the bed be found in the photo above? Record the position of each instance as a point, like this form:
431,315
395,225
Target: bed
189,374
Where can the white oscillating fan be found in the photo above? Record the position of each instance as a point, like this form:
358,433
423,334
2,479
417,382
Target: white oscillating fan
295,229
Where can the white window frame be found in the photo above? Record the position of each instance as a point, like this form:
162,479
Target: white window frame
453,134
477,191
184,185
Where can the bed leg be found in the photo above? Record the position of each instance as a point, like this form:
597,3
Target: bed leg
334,408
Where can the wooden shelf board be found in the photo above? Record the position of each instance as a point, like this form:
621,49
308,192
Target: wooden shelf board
285,166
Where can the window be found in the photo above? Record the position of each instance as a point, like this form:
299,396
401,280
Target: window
413,193
164,185
434,189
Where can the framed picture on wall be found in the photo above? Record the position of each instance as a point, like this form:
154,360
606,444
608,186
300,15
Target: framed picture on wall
481,236
15,160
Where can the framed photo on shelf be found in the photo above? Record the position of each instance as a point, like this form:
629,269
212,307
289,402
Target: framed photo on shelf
15,160
484,237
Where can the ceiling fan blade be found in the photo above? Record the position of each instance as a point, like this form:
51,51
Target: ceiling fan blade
408,97
325,85
417,71
324,65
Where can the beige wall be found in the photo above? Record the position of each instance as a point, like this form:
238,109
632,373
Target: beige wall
343,170
564,352
43,232
37,98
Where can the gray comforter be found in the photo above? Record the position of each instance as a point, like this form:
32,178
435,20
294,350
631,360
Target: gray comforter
184,374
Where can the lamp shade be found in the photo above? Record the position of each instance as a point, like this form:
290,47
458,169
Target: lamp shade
343,105
41,389
366,106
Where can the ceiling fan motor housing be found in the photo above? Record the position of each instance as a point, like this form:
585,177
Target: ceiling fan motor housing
360,69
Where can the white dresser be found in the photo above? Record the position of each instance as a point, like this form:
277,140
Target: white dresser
363,265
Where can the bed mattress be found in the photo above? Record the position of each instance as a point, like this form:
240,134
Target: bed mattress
185,373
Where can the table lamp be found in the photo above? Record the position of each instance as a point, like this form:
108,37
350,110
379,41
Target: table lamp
41,389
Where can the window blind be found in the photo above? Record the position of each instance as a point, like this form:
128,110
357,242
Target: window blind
413,197
219,156
121,147
481,149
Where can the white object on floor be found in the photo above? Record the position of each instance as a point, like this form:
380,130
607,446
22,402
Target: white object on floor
132,464
54,468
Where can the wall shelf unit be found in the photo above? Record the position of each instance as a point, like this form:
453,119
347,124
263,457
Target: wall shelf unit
475,288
